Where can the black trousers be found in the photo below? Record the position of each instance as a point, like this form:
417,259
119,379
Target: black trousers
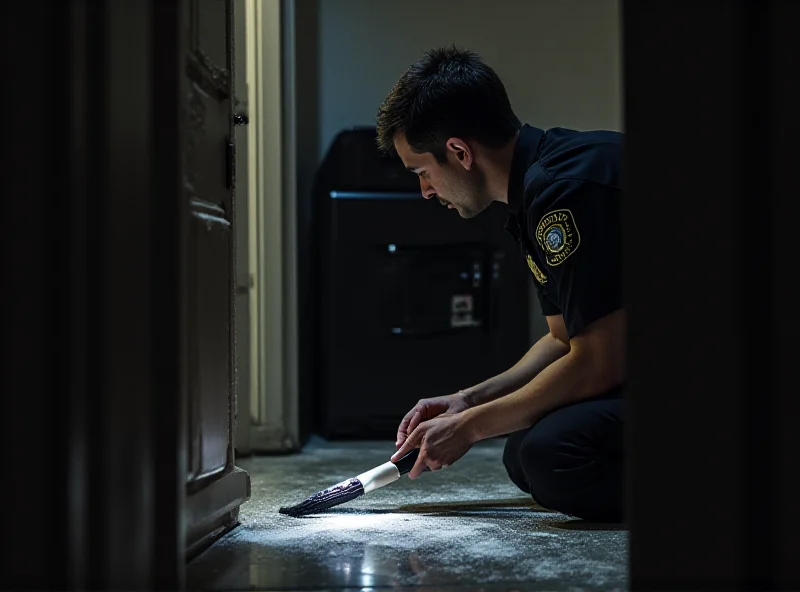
572,461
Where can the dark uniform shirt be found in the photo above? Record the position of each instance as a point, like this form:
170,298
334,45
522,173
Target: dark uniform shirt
564,198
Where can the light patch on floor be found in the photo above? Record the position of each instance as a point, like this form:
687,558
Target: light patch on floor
463,528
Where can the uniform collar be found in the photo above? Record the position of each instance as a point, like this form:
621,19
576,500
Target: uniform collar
526,152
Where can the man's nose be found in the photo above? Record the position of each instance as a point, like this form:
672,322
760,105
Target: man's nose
427,190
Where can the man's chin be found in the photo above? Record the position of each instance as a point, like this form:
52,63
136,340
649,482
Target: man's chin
467,212
460,209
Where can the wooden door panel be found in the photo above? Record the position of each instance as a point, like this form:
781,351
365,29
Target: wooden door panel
215,487
207,15
207,185
210,305
209,130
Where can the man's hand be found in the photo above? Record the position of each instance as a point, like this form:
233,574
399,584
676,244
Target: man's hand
428,409
441,442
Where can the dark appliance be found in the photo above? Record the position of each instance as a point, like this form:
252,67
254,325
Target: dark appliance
412,300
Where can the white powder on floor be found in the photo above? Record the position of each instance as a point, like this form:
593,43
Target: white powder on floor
464,545
443,528
396,530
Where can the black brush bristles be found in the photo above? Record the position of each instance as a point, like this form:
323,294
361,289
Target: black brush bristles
327,498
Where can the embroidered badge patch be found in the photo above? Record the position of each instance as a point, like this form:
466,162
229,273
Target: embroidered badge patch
558,236
537,273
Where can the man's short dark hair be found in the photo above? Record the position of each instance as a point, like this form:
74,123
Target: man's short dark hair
448,93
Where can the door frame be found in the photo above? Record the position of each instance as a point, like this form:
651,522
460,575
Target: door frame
273,398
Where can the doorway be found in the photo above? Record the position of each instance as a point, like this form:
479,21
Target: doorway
266,322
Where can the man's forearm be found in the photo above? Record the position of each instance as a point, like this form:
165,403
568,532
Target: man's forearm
543,353
570,379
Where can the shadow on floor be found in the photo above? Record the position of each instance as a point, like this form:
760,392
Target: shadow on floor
484,509
583,525
475,508
472,505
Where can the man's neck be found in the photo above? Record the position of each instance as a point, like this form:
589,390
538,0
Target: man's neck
498,170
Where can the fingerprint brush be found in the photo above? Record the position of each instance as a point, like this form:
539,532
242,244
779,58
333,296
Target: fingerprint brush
355,487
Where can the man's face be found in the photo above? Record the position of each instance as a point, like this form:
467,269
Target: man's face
458,184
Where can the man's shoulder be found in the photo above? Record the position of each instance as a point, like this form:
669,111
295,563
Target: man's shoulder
557,135
569,158
588,155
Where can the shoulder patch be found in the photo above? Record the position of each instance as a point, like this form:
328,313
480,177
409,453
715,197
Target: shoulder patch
537,273
558,236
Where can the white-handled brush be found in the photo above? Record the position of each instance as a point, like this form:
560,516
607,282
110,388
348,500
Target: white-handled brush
357,486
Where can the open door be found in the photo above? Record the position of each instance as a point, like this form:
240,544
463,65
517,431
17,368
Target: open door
245,278
119,418
215,486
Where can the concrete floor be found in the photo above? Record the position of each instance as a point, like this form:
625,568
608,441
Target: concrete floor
464,528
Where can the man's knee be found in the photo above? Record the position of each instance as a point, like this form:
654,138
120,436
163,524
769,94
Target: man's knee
571,460
551,470
512,461
569,478
530,457
540,458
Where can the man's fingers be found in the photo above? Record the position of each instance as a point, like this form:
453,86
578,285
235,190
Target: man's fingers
407,446
416,419
419,467
403,431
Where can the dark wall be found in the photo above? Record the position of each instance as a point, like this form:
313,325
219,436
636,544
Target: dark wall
36,345
712,123
90,394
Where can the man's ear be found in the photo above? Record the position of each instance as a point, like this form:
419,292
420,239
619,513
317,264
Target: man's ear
462,152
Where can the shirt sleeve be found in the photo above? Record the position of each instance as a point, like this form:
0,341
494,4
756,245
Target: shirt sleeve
548,307
575,226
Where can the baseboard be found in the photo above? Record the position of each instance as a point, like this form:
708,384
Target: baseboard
214,510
